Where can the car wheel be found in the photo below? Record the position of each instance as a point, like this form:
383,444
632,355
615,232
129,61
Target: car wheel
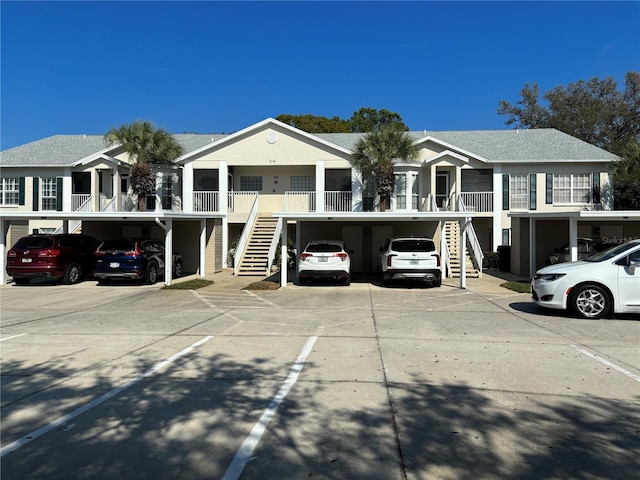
347,281
177,270
437,283
152,274
589,301
72,275
104,281
21,280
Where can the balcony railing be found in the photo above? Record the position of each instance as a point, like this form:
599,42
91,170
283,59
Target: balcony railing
299,202
81,202
337,201
206,201
478,201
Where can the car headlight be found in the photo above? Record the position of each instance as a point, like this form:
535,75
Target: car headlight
549,277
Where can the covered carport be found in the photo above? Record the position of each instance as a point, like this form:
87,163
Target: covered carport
324,220
534,232
166,221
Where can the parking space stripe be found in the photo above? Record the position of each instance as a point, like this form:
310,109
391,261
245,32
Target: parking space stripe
79,411
14,336
607,363
248,446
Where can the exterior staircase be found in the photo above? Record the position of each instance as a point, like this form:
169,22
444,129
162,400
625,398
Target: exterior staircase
453,242
255,259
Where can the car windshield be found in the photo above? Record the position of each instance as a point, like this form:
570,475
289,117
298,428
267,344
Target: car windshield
34,242
413,245
610,253
324,248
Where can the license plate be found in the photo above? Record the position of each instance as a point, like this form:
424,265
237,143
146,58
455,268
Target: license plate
27,260
414,262
323,259
114,265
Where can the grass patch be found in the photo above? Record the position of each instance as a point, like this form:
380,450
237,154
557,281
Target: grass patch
262,285
189,284
520,286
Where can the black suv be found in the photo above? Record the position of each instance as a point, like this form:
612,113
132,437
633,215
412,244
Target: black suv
66,257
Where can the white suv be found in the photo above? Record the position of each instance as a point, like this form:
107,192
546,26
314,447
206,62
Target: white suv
605,282
410,258
324,259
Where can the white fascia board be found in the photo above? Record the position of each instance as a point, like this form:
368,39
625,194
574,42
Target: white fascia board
430,138
552,160
106,216
374,216
99,156
445,153
269,121
617,215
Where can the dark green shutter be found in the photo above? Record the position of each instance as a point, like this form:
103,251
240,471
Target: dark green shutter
532,191
549,189
505,191
36,194
59,194
21,188
595,187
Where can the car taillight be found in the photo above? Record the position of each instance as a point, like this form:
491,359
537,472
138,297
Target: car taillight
437,259
389,259
343,256
133,253
99,253
49,252
11,254
304,256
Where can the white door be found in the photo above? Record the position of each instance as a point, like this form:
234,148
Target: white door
629,285
442,188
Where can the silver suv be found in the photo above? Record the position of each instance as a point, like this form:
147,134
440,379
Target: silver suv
410,258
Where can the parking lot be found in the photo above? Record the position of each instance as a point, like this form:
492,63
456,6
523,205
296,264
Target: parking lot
325,382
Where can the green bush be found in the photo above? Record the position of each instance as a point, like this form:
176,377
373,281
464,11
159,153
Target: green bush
490,260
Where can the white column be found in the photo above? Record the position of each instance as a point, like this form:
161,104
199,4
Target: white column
457,187
532,247
203,247
463,252
187,188
223,203
116,188
443,248
283,255
573,238
497,207
67,190
432,186
320,186
95,191
168,251
3,250
357,190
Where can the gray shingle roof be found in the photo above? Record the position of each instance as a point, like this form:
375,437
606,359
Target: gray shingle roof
509,146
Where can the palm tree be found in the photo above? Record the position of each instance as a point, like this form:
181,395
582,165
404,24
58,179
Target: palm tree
145,146
626,178
376,152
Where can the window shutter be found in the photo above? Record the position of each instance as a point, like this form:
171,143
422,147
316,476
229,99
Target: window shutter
505,191
59,194
21,188
532,192
595,187
549,189
36,194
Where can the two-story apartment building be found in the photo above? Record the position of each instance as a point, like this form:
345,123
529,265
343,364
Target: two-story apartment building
234,199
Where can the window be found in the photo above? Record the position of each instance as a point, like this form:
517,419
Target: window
519,192
49,193
569,188
302,183
401,191
166,192
9,191
250,184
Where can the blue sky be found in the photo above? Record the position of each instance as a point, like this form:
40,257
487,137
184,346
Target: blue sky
218,67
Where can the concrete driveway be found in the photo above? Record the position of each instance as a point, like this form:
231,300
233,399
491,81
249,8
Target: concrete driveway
324,382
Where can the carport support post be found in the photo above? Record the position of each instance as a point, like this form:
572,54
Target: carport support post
168,252
283,255
203,247
573,238
532,247
3,254
463,252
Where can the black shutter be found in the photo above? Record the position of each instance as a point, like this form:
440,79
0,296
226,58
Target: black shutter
505,191
595,187
532,191
549,189
59,194
21,188
36,194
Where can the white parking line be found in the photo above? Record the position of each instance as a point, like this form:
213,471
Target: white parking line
248,446
78,411
14,336
607,363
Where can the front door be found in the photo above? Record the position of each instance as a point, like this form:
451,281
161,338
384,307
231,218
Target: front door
442,188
